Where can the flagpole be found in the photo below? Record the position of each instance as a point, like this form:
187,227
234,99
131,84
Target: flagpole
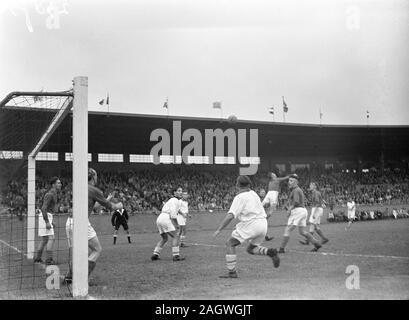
107,102
320,117
284,108
367,118
167,106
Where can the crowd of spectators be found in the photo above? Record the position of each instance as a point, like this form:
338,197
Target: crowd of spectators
370,214
145,191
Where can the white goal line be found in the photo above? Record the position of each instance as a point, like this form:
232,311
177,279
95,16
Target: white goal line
315,253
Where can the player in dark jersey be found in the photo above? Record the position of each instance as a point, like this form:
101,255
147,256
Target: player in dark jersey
297,215
45,222
332,203
120,218
94,195
19,206
317,211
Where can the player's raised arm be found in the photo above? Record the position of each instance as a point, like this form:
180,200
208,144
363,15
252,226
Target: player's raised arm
282,178
105,202
235,208
227,219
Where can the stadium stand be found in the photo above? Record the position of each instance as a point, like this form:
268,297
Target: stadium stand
146,190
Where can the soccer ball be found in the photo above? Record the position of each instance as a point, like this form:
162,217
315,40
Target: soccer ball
232,118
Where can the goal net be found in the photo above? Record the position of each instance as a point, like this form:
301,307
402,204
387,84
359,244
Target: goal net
37,128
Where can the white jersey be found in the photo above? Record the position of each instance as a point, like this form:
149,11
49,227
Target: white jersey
184,207
172,207
247,206
351,207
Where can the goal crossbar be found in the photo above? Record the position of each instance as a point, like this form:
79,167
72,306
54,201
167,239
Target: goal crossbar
58,118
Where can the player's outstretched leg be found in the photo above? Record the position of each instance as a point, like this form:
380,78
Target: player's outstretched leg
315,242
324,239
306,242
263,251
40,250
159,247
231,258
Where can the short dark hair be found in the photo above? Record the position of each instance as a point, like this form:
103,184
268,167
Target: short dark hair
176,189
54,180
243,181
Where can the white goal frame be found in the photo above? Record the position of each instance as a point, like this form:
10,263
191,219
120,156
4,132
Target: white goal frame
78,100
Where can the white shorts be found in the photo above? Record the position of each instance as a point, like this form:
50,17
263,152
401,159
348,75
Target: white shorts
181,220
271,198
42,229
164,223
68,230
316,214
298,217
253,231
351,215
91,231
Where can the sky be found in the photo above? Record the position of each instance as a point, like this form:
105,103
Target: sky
341,57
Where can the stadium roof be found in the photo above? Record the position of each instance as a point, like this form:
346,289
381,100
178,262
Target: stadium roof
130,133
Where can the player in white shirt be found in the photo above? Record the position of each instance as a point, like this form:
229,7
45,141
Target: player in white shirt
252,226
351,212
168,226
182,218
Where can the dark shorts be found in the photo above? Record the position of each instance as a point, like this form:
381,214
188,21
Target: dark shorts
123,224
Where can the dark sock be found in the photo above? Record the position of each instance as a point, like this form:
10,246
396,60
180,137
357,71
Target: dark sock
39,254
49,254
312,240
91,266
321,235
114,240
129,239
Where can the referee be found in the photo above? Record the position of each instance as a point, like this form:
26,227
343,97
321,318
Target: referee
120,218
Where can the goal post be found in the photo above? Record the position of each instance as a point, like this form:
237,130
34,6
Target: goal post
80,188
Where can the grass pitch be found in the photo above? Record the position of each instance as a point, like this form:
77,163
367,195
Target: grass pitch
380,249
